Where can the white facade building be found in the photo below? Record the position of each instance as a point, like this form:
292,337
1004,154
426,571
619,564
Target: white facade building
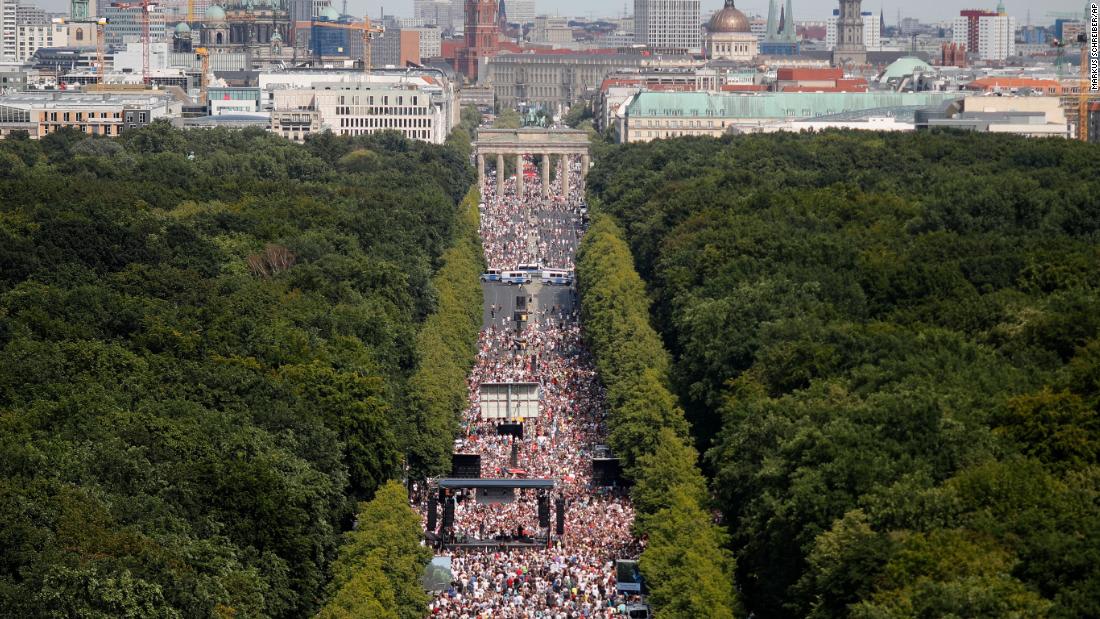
8,29
872,31
520,11
551,29
431,41
668,24
31,37
996,37
421,107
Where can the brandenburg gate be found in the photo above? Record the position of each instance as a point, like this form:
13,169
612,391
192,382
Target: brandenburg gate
565,143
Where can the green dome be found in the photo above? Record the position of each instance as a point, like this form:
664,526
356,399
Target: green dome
182,28
903,67
330,14
215,13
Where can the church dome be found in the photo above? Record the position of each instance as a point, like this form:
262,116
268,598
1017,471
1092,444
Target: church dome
729,19
215,13
182,28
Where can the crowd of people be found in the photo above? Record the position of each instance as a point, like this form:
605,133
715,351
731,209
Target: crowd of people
549,575
514,233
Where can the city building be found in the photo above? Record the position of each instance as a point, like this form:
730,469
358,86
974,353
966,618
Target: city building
396,47
653,115
872,30
125,25
31,15
430,41
9,30
668,25
558,80
521,11
1028,116
110,114
31,37
728,36
965,28
849,49
817,80
419,104
996,37
551,30
434,13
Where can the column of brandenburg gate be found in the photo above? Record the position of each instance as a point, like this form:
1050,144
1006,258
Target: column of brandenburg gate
564,143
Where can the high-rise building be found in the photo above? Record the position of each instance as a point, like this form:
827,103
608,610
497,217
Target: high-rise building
126,25
668,24
849,46
8,25
431,44
964,30
996,37
991,35
434,13
521,11
30,14
31,37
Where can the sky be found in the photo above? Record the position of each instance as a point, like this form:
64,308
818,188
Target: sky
924,10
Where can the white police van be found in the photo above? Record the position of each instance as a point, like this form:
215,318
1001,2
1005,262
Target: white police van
491,275
557,277
515,277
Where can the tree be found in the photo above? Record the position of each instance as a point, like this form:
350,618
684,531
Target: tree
381,562
508,119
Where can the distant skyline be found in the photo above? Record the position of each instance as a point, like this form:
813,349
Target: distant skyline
927,11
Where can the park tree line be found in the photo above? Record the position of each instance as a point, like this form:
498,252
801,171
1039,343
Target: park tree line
686,565
887,348
210,343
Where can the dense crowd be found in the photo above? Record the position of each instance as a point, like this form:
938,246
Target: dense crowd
513,233
571,575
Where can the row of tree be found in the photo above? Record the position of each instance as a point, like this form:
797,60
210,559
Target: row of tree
687,568
207,340
378,571
446,347
888,346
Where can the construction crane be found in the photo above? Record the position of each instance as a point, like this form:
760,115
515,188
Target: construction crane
368,31
204,55
145,6
101,68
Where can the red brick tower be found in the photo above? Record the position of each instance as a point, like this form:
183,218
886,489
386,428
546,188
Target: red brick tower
482,36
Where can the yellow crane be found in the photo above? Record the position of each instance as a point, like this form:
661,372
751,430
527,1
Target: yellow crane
368,31
1083,95
203,54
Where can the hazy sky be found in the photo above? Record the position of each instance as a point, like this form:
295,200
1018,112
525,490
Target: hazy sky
925,10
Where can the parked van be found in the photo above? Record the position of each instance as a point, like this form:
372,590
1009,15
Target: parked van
515,277
491,275
554,277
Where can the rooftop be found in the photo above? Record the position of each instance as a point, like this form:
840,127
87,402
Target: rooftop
776,105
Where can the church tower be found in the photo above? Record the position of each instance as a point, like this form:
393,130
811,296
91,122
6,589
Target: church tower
850,49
